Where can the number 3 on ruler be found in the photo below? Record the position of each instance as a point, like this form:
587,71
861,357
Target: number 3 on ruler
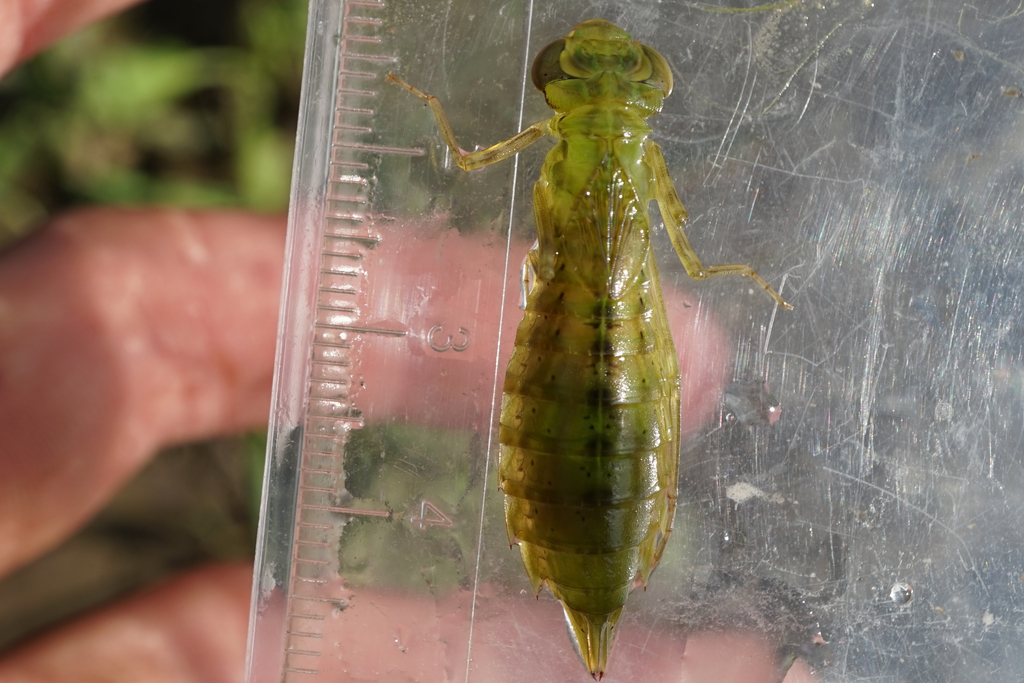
449,343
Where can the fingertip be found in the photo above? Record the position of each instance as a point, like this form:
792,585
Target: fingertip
192,628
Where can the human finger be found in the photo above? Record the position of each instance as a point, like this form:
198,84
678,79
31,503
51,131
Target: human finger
121,332
189,630
27,26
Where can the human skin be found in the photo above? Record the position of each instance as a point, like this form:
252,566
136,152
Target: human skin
133,330
125,331
122,332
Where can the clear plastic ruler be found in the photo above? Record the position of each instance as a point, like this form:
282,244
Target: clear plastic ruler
382,552
315,414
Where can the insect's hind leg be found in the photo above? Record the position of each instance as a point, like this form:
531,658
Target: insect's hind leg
528,275
747,271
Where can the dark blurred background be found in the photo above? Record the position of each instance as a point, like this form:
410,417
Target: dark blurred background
187,103
180,102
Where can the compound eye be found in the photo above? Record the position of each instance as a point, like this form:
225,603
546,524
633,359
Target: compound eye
546,67
661,72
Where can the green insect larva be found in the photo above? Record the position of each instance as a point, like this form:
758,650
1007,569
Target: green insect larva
589,426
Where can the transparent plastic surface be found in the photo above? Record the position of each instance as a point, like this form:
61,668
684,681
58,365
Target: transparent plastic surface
851,480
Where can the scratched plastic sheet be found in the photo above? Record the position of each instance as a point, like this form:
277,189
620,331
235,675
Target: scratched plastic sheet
851,480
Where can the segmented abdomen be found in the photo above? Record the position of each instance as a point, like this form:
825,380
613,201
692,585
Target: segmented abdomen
589,438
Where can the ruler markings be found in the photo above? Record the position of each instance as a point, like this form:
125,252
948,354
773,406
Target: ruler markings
343,364
356,110
382,149
312,599
348,511
352,200
321,455
370,242
368,57
305,634
341,283
351,180
364,330
316,489
363,39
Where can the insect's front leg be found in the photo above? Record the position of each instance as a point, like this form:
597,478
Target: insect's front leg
468,161
674,214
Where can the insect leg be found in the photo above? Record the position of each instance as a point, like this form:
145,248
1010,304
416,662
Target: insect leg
674,214
544,261
468,161
528,273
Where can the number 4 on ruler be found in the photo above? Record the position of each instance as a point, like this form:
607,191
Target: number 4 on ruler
430,516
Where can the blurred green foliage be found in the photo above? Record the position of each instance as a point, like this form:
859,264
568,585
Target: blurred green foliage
161,105
398,469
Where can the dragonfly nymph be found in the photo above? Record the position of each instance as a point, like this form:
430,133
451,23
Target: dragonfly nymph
589,426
